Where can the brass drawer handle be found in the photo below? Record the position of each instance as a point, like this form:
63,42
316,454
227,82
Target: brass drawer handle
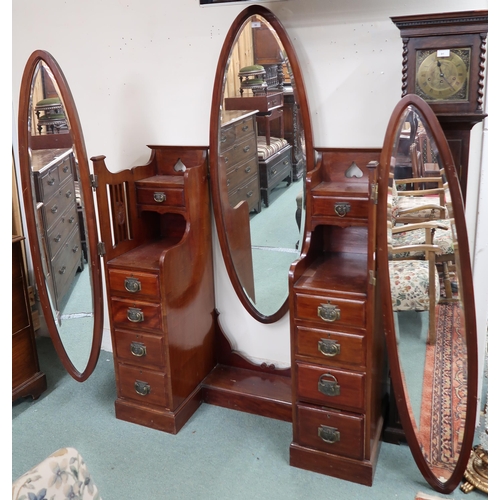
328,347
69,194
132,285
274,172
138,349
71,220
51,182
223,138
246,149
54,209
249,194
248,169
135,315
75,249
65,169
57,239
342,209
244,128
328,385
285,162
329,312
226,159
142,388
62,270
159,197
329,434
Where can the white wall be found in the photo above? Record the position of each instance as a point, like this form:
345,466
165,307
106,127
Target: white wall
142,72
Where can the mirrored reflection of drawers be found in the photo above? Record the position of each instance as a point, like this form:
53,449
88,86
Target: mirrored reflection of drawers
238,156
54,177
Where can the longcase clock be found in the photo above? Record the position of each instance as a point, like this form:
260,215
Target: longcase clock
444,61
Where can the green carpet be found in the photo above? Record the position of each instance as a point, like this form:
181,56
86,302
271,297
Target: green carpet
219,454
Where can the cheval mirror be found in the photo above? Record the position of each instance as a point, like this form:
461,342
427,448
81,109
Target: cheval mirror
260,140
60,215
426,279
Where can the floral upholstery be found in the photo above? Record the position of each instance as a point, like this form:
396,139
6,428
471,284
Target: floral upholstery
410,285
61,476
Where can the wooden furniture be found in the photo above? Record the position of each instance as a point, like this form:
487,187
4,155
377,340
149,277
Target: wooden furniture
455,40
156,230
273,170
54,179
238,159
27,379
337,343
292,131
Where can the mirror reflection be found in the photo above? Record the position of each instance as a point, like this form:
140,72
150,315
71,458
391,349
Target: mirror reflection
426,292
60,216
261,165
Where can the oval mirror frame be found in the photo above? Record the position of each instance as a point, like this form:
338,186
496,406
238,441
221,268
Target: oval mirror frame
466,283
39,57
301,101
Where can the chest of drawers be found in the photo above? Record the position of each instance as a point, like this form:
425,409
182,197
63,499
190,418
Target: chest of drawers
238,158
338,367
54,178
157,233
273,170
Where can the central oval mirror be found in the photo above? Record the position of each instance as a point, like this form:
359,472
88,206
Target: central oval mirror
60,215
261,143
426,277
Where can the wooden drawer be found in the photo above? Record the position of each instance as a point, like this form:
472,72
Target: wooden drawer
160,196
330,347
59,203
66,262
140,348
135,314
134,283
142,385
60,231
276,168
262,103
330,431
331,311
331,387
241,173
236,131
50,180
247,192
241,152
339,207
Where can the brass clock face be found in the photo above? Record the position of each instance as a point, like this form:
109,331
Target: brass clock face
443,74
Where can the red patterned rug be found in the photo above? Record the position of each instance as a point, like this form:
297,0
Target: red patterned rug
444,391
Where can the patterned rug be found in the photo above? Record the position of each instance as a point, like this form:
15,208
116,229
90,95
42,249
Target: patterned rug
445,392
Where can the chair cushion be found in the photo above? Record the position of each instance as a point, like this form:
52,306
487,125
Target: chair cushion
60,476
442,238
410,285
265,150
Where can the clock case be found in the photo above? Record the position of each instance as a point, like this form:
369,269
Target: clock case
454,30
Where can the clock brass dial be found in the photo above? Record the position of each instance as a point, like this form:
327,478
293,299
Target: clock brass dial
443,75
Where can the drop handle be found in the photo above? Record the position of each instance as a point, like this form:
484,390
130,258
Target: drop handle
51,181
142,388
69,194
244,128
248,169
75,249
246,149
159,197
54,209
329,347
342,209
62,270
328,434
65,169
135,315
328,385
138,349
57,239
71,220
329,312
132,285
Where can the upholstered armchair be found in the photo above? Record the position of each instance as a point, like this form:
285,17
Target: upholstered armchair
415,281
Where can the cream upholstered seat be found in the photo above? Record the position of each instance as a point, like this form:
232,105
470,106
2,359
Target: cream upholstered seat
62,475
